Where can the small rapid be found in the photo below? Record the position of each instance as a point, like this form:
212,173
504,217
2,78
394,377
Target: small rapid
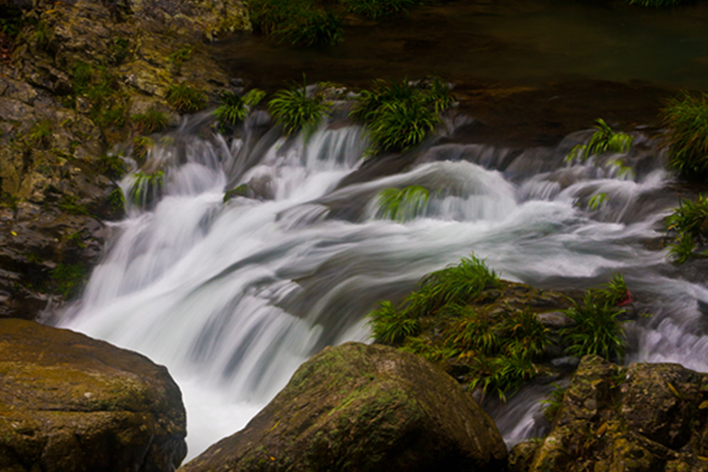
232,296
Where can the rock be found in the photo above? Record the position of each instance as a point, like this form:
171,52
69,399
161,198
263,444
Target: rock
356,408
71,403
647,417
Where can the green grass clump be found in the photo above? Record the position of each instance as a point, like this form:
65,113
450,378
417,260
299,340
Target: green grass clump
295,111
603,140
449,287
141,146
40,134
101,88
152,121
296,22
177,58
186,98
390,325
402,204
597,328
689,223
686,118
111,165
553,402
399,115
378,9
235,108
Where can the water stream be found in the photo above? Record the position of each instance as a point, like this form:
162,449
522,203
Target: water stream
233,296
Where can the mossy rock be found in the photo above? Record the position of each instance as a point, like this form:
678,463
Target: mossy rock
643,418
363,408
71,403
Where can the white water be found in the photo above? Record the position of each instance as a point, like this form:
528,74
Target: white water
233,297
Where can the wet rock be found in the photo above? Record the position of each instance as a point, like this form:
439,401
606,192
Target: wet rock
647,417
360,407
70,403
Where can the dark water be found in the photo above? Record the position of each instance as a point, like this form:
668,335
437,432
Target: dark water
517,42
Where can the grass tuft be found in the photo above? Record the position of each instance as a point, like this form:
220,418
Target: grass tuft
686,118
378,9
296,22
402,204
597,329
603,140
295,111
399,115
152,121
234,108
689,222
186,98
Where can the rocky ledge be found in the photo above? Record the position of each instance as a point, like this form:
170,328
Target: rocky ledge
69,403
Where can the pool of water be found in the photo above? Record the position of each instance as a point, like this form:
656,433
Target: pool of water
517,42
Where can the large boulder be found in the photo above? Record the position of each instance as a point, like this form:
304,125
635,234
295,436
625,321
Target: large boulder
643,418
363,408
71,403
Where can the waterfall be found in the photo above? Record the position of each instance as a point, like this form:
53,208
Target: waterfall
232,296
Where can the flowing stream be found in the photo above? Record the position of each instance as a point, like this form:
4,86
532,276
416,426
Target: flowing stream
233,296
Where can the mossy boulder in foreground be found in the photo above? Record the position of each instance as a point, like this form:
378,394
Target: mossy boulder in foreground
357,407
641,418
69,403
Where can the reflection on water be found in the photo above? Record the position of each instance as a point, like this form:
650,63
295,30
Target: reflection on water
511,40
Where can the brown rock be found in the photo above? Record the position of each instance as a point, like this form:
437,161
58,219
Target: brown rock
71,403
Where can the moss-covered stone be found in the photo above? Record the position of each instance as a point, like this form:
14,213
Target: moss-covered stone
70,403
357,408
644,418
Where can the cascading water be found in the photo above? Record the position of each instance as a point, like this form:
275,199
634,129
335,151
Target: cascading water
232,296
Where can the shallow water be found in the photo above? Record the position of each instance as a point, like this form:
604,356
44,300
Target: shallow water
513,41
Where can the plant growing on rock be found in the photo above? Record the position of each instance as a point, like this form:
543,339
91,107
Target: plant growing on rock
655,3
391,325
402,204
597,328
141,147
147,187
603,140
68,278
186,98
235,108
686,117
177,58
40,134
400,115
151,121
296,111
689,223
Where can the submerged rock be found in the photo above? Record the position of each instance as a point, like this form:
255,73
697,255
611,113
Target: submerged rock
647,417
357,407
71,403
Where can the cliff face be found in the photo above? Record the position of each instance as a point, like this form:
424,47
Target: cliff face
76,79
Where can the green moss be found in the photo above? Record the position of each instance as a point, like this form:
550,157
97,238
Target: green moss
111,165
70,204
67,279
378,9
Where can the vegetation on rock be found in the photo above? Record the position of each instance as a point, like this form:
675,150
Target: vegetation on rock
686,120
378,9
468,320
402,204
186,98
689,225
151,121
400,115
603,140
296,111
234,108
